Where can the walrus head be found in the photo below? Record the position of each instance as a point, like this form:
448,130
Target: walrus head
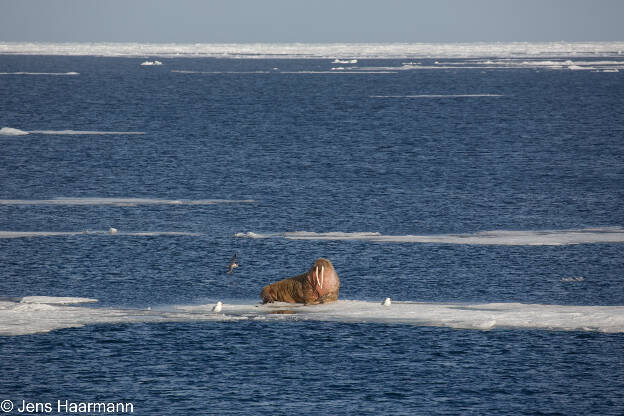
267,295
323,278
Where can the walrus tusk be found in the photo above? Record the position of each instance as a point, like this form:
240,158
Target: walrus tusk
322,276
316,274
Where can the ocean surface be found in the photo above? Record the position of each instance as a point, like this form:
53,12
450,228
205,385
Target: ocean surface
479,186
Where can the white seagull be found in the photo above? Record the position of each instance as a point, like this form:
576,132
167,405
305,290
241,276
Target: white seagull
217,308
387,302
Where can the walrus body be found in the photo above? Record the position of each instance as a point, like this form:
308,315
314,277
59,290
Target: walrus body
319,285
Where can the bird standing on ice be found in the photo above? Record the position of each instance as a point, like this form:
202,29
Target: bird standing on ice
217,308
387,302
232,265
112,230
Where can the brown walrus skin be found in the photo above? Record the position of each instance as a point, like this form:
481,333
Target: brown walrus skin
320,284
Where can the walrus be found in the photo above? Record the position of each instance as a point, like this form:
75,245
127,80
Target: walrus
320,284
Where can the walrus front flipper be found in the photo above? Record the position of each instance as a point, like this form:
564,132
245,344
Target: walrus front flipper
330,297
319,285
266,295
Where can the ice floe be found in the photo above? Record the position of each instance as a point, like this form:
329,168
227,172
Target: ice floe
122,201
56,300
85,132
502,64
71,73
9,131
338,70
437,96
491,50
497,237
46,314
91,233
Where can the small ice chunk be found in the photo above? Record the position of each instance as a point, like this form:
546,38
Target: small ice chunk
9,131
573,279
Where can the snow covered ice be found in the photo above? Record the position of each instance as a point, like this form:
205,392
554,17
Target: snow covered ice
355,51
35,314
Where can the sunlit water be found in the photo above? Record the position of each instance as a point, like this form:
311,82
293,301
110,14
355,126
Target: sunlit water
482,194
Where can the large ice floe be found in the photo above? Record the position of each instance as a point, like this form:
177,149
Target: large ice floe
497,237
38,314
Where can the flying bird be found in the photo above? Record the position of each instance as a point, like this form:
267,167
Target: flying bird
232,265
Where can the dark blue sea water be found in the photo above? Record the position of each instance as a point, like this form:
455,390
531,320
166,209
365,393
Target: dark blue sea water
407,152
